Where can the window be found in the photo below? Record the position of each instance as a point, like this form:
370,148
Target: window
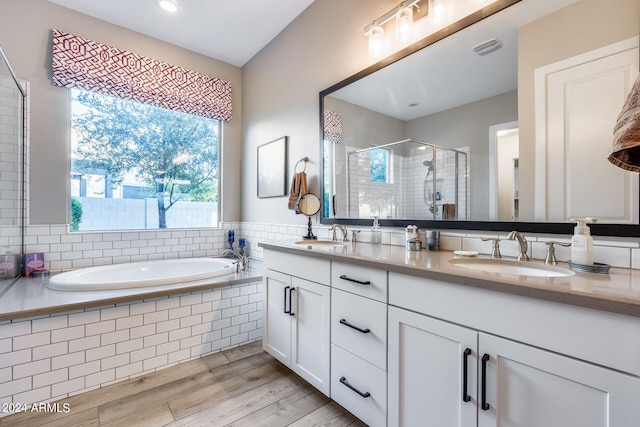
379,165
136,166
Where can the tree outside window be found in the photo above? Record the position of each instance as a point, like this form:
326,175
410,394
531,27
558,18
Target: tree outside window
139,166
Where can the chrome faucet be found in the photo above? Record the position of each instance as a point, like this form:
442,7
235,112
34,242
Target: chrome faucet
515,235
242,258
342,228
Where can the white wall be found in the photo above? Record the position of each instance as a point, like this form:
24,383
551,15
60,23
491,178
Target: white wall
281,87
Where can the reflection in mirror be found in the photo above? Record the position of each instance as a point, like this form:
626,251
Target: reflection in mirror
530,159
12,134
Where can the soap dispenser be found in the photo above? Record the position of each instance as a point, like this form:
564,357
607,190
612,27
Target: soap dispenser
376,232
581,242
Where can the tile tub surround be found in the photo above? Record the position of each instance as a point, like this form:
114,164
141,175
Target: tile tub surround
50,357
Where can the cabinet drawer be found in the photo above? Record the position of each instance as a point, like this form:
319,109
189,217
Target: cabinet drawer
364,281
365,378
313,269
348,312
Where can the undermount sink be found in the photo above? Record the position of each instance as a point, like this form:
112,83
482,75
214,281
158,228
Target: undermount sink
518,268
322,243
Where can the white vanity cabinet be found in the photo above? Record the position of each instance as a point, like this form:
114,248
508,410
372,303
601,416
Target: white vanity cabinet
359,341
497,381
297,310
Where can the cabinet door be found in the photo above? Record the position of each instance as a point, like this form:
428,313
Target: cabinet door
530,387
427,372
310,346
277,321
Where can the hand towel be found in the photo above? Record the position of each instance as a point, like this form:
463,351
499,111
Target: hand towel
298,189
625,152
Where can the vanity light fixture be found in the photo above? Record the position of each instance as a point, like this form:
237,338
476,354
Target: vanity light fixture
438,11
404,26
170,6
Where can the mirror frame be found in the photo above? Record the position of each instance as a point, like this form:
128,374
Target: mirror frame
602,229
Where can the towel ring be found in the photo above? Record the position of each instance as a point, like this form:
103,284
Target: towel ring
304,161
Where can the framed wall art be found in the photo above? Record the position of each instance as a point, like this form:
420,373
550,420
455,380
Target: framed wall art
272,168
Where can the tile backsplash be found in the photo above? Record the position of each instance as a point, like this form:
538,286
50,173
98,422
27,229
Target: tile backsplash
66,250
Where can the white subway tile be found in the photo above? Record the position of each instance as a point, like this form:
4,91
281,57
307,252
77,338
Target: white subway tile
230,292
32,340
114,312
178,356
67,334
67,387
221,324
239,339
50,350
230,312
190,299
49,323
84,369
190,321
15,358
38,395
84,317
126,371
201,308
212,295
200,350
129,322
155,362
248,289
15,387
129,346
249,326
145,353
168,347
142,308
156,339
169,325
102,327
115,337
100,352
179,334
202,328
239,319
15,329
142,331
168,303
32,368
67,360
51,377
84,343
156,317
5,375
230,331
115,361
212,336
175,313
100,378
220,344
190,341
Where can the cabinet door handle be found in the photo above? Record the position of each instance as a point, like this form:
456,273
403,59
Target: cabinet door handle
291,313
485,406
344,381
359,282
465,363
364,331
285,301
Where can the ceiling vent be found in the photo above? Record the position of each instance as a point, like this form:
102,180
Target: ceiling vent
487,47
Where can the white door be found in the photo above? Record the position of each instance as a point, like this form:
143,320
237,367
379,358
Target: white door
277,322
577,103
526,386
310,341
427,371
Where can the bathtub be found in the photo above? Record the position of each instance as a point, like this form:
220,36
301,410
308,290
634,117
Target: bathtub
141,274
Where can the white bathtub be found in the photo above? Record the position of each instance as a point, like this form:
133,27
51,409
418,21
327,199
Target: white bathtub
141,274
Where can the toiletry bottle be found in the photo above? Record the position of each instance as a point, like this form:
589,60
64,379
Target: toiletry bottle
376,232
581,242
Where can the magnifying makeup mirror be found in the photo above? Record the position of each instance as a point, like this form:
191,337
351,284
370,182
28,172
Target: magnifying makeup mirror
309,205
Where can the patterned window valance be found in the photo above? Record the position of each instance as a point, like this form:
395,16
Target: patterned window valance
332,127
92,66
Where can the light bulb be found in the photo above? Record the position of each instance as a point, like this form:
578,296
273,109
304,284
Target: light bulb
404,24
376,41
170,6
438,11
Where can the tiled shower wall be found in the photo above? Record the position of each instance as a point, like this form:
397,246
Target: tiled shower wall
54,356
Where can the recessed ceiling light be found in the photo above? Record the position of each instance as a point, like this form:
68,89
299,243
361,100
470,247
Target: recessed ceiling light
170,6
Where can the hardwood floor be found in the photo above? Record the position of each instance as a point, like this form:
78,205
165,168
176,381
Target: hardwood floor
239,387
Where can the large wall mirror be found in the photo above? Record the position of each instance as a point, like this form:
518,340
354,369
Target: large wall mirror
502,124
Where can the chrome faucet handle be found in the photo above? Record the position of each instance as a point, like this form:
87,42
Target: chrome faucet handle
550,258
495,249
354,233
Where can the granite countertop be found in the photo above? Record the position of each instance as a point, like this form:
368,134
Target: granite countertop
30,297
617,292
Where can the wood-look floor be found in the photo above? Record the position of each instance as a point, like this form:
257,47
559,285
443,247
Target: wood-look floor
239,387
